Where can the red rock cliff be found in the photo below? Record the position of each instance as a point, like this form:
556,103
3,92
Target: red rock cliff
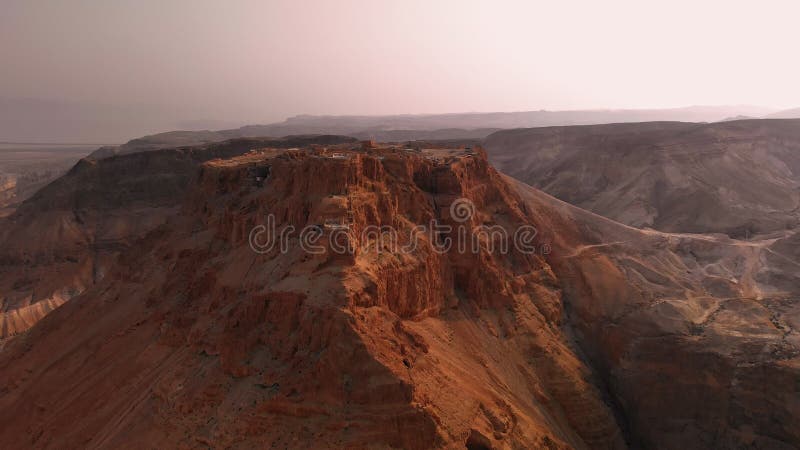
195,339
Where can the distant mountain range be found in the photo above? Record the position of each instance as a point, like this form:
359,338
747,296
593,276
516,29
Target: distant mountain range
523,119
786,114
56,121
431,126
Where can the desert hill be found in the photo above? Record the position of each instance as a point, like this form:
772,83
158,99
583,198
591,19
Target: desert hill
55,121
740,178
695,335
205,342
579,339
24,169
65,237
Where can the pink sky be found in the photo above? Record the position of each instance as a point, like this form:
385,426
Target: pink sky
261,61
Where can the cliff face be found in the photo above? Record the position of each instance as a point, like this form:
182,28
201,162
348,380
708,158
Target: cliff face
8,193
204,341
298,298
65,237
7,185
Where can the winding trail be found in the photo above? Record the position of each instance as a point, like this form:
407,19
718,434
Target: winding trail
583,248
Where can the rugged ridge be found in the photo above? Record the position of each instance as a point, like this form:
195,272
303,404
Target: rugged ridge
202,334
696,336
66,236
741,178
408,127
24,169
209,343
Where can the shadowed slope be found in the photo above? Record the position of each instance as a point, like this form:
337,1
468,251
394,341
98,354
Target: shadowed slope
696,335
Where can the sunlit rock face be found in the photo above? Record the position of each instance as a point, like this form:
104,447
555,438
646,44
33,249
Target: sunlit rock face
222,325
67,235
379,346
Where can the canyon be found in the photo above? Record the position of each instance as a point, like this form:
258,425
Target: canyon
374,225
174,331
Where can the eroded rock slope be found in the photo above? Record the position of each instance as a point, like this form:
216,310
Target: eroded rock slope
65,237
741,178
204,342
592,335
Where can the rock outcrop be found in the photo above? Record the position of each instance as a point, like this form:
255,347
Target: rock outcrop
8,184
322,297
66,236
205,342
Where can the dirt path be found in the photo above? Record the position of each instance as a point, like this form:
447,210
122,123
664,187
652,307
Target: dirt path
583,248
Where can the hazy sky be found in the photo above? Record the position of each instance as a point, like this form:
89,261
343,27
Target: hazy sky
261,61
